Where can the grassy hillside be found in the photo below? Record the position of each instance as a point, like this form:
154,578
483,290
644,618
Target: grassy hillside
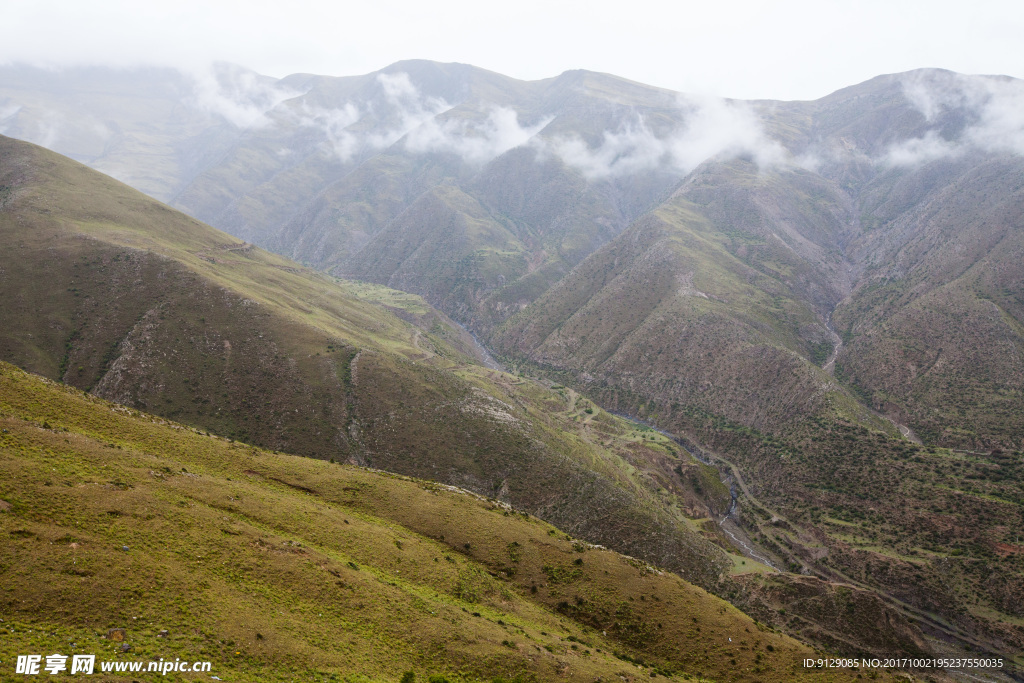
280,568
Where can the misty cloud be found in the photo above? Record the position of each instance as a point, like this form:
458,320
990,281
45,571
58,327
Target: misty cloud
424,130
404,115
241,97
7,114
922,150
631,149
407,105
718,128
474,143
45,130
399,109
992,107
713,128
334,124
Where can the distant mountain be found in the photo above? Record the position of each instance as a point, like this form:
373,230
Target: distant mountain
722,298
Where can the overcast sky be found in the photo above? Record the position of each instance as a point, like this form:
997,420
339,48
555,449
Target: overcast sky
789,49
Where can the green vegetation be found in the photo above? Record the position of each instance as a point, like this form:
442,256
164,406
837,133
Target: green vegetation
281,568
934,530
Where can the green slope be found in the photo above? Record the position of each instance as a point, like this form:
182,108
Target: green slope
280,568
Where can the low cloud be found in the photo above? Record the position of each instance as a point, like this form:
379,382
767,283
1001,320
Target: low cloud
334,124
712,128
474,143
404,115
45,130
406,106
991,107
930,147
717,128
631,149
8,113
400,114
243,98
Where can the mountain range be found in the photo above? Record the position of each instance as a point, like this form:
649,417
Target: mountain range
819,302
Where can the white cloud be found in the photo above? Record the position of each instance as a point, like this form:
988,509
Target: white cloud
992,107
713,128
398,88
334,124
718,128
474,143
241,97
46,129
407,105
403,113
922,150
7,114
631,149
1001,125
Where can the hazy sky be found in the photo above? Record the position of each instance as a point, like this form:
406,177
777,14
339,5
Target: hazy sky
789,49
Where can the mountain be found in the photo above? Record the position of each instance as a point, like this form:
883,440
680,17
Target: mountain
481,193
821,299
412,176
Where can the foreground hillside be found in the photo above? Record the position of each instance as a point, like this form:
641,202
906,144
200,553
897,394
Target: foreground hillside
281,568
